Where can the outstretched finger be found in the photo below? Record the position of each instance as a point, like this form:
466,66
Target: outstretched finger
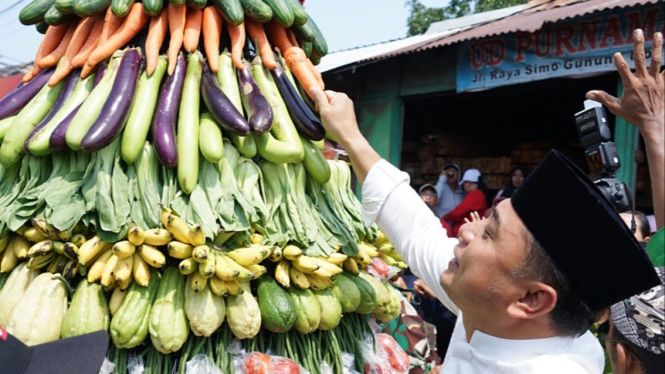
320,98
623,68
639,55
656,55
611,102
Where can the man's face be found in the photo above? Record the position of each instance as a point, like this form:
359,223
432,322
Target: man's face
479,279
627,217
429,197
452,175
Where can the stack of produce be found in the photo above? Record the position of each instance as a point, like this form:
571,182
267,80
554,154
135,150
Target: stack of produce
152,192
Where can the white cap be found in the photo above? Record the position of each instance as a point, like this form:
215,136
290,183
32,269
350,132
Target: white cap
471,175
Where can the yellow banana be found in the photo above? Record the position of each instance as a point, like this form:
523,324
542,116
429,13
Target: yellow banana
178,228
39,249
4,241
385,248
125,283
153,256
21,247
257,238
322,273
201,253
70,250
233,288
34,235
90,249
196,236
305,264
97,268
65,235
21,229
78,240
41,261
123,269
380,239
207,267
179,250
136,236
243,273
250,255
188,266
276,255
333,269
335,258
257,270
291,252
362,258
388,260
315,283
197,281
124,249
298,278
217,286
402,265
222,270
140,270
394,255
46,228
368,249
351,266
282,273
107,279
116,300
70,269
57,265
157,237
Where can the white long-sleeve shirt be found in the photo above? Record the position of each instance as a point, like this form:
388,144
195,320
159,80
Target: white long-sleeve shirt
418,236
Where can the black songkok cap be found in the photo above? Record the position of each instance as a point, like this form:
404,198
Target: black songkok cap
583,233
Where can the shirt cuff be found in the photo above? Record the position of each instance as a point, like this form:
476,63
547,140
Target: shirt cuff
381,180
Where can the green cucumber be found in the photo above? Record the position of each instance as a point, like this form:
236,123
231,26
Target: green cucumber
34,12
231,10
299,14
89,8
316,165
278,313
305,32
120,8
152,7
65,6
41,27
282,12
54,17
210,139
197,4
306,47
257,10
319,43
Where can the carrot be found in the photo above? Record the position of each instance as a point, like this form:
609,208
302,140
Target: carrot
237,34
111,25
278,37
52,38
153,43
135,20
89,45
192,29
177,18
292,38
212,29
61,72
52,58
258,36
79,38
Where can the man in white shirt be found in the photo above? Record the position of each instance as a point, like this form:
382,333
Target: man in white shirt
525,283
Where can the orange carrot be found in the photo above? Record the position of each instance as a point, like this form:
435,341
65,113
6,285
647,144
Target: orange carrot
258,36
153,43
52,38
177,18
292,38
278,37
79,38
111,25
52,58
237,34
89,45
212,29
192,29
61,72
135,20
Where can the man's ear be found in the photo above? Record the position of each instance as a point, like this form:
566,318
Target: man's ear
626,361
537,299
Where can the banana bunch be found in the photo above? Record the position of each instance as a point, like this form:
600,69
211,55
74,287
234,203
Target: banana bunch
387,252
317,273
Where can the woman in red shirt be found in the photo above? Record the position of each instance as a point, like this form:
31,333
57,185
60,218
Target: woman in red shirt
475,201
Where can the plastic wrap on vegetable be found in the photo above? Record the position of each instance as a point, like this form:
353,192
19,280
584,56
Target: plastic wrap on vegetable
260,363
201,364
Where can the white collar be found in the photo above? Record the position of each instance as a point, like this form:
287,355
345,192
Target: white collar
500,348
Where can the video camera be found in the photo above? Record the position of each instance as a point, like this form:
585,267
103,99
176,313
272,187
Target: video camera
602,155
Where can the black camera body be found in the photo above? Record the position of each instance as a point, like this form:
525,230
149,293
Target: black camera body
602,156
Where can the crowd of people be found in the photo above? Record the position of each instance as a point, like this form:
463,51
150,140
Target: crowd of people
552,259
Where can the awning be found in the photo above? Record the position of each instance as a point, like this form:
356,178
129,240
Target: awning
8,83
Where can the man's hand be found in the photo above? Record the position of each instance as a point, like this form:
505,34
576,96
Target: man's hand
421,289
337,114
643,91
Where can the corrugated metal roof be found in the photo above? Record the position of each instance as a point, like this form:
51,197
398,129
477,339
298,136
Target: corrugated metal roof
534,15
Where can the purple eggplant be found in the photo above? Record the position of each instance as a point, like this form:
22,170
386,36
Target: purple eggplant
302,116
256,105
100,73
116,109
57,140
166,115
18,98
66,92
221,108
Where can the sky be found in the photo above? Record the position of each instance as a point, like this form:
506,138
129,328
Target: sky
344,23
